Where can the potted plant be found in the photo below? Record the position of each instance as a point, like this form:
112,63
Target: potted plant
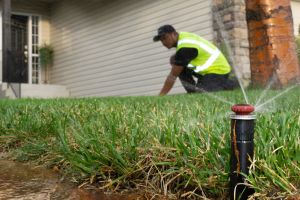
46,58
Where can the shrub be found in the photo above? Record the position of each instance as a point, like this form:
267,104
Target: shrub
46,55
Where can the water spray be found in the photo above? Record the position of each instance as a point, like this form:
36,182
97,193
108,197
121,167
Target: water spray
242,149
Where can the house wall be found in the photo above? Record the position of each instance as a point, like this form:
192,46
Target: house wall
30,6
231,35
296,16
105,48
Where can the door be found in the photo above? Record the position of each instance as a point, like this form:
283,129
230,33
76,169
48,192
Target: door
18,72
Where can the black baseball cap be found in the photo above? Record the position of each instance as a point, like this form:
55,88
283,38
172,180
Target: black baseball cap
163,30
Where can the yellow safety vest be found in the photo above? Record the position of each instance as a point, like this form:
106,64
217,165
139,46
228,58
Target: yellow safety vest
210,59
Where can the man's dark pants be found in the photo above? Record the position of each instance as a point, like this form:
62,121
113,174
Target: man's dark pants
206,83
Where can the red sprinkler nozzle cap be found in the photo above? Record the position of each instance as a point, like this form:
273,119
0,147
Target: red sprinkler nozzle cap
242,109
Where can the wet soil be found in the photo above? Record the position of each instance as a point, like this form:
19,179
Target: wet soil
22,182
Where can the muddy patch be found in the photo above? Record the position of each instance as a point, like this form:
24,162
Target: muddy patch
21,182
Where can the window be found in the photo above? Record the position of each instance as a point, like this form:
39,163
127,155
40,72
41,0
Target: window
35,50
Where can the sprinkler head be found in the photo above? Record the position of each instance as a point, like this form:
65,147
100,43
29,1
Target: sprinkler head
242,109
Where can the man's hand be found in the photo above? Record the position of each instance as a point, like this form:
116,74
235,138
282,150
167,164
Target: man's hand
170,80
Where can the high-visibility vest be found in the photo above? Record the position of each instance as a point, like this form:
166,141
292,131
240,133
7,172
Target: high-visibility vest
209,60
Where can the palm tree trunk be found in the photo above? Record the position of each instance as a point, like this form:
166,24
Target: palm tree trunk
273,54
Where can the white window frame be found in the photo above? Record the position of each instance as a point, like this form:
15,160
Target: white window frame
30,43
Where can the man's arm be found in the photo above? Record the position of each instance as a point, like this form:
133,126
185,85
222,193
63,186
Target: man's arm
178,62
170,80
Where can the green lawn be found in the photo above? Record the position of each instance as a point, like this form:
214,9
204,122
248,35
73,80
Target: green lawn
174,145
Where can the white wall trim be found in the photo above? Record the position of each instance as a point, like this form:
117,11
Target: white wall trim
40,31
296,15
29,50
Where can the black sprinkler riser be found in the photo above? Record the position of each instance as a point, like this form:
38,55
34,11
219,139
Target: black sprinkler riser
244,127
242,150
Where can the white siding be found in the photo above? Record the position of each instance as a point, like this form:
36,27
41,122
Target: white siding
30,6
296,15
105,48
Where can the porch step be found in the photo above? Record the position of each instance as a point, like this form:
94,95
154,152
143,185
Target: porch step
3,94
6,92
33,91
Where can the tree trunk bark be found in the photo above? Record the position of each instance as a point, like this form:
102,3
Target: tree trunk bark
273,56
